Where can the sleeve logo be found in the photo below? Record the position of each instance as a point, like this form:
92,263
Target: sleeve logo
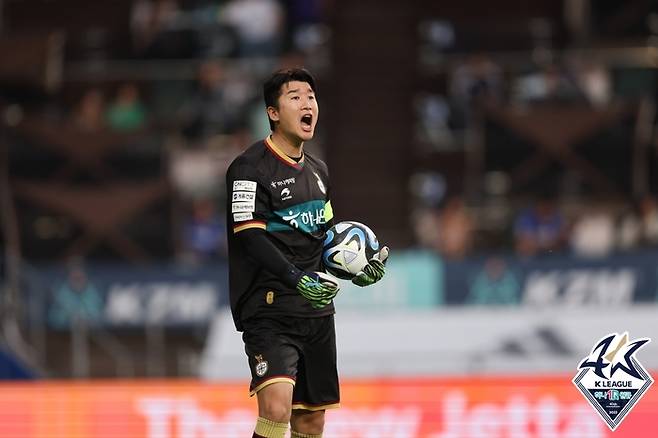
240,207
244,185
243,196
240,217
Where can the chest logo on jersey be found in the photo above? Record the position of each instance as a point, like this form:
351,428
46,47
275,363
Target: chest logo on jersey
321,186
307,217
283,182
310,219
285,194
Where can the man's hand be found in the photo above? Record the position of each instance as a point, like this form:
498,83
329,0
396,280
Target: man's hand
374,270
318,288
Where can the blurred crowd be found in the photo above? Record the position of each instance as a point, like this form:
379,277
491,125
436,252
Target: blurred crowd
552,218
541,227
203,121
478,80
193,124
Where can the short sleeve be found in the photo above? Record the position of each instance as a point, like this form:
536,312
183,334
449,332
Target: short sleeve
248,200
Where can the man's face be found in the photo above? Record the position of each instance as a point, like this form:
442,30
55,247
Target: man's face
298,110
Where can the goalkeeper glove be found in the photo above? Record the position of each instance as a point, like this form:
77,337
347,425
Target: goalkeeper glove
318,288
374,270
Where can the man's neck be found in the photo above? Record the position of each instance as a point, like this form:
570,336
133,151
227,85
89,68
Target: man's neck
287,146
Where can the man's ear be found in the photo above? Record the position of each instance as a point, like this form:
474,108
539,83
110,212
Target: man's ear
273,113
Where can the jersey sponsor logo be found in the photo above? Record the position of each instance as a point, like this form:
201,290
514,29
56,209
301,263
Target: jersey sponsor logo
307,217
291,218
240,217
244,185
285,194
321,186
612,379
243,196
283,182
239,207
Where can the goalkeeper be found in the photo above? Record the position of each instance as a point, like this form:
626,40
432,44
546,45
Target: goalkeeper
278,211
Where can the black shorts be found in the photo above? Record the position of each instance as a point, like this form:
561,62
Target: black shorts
301,351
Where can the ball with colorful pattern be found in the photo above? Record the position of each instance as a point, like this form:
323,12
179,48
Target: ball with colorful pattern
347,249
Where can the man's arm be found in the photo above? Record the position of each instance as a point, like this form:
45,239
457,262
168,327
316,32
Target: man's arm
309,284
263,250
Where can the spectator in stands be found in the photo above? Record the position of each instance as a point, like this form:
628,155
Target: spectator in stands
304,25
76,301
259,25
649,218
495,284
455,229
426,228
433,121
208,112
594,81
126,112
473,83
639,226
204,235
550,84
89,114
629,228
427,191
540,229
150,22
478,79
593,234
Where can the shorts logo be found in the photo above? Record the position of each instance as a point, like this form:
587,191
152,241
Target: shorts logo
285,194
261,365
612,379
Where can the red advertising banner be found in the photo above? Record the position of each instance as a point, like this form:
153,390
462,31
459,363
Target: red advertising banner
479,407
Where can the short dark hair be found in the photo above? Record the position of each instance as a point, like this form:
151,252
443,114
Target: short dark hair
272,87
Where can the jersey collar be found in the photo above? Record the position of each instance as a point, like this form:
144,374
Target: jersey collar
278,153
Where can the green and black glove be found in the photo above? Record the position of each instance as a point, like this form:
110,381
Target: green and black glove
318,288
374,270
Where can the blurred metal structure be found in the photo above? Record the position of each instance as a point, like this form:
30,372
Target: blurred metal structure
81,355
10,300
644,131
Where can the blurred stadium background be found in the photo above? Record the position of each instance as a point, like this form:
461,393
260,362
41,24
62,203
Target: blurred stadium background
506,151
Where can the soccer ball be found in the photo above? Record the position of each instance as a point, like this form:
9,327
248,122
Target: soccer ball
347,248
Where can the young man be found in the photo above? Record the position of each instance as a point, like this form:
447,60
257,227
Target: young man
278,213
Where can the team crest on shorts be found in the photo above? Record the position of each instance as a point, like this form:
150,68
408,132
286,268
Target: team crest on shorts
261,365
612,379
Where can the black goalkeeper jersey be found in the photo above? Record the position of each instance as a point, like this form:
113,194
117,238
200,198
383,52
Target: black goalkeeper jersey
290,201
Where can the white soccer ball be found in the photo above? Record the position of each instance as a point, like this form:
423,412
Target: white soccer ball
347,249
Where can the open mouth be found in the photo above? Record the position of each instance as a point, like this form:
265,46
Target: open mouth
307,122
